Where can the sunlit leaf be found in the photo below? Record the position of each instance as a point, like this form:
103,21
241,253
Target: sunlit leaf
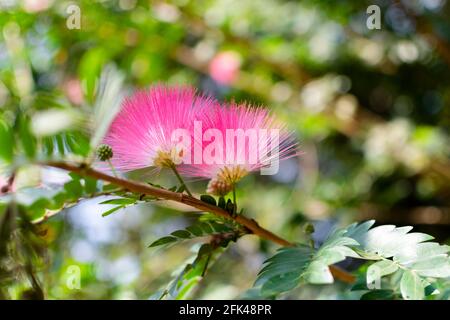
411,286
289,266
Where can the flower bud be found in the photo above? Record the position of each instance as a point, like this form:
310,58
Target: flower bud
104,152
218,187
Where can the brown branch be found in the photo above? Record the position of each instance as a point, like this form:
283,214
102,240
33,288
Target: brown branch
138,187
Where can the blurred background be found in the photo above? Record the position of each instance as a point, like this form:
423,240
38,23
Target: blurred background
370,108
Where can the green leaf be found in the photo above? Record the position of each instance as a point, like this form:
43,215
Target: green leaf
163,240
195,229
77,143
360,284
60,144
201,229
229,206
380,269
222,204
430,290
380,294
107,213
89,69
397,247
208,199
74,189
409,250
183,286
26,137
121,201
183,234
90,185
206,227
6,142
289,266
411,286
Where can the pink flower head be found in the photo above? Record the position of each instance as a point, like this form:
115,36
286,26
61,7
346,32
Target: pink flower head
224,67
237,140
141,135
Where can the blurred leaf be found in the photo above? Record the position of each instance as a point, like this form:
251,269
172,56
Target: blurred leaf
411,286
90,67
78,143
26,137
108,102
74,189
183,286
6,142
90,185
51,121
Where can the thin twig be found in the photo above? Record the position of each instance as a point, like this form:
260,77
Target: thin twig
180,178
138,187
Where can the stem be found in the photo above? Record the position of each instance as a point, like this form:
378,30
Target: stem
112,168
138,187
52,213
234,199
206,264
180,178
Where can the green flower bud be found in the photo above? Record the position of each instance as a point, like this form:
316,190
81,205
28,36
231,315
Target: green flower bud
104,152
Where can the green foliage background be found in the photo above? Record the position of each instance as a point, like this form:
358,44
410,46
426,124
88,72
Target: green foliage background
371,109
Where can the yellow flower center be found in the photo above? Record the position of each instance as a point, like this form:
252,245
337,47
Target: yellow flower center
223,183
163,160
168,159
232,175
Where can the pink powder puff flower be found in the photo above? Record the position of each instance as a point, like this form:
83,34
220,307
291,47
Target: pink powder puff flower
242,139
141,134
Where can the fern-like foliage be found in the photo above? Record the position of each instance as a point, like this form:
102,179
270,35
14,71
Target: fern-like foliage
397,250
415,261
185,282
220,233
200,229
291,266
